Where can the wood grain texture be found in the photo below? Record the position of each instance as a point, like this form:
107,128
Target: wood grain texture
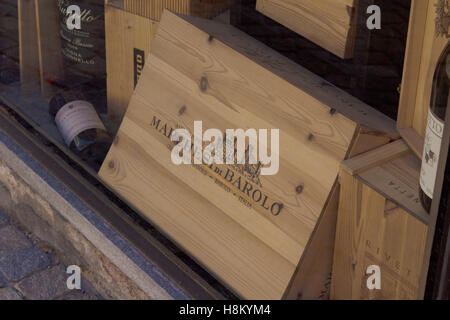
202,70
367,139
347,237
380,222
424,48
28,46
433,46
153,9
374,158
312,278
414,139
125,33
328,23
397,180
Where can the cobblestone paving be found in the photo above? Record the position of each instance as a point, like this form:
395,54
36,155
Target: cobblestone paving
31,270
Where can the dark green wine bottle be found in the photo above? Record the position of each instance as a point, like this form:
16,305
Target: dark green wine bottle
435,128
83,49
80,125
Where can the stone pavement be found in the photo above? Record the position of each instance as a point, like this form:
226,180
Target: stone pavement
29,269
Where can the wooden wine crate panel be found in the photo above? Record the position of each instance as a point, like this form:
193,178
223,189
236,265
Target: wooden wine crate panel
153,9
424,48
40,45
274,246
328,23
128,42
380,222
49,43
28,46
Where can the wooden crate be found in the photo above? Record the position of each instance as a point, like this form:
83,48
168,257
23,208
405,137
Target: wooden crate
40,45
130,29
328,23
153,8
49,44
28,47
380,222
202,70
423,51
128,42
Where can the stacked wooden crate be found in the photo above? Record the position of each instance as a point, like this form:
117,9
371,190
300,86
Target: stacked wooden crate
128,42
40,46
328,23
263,236
130,28
424,49
201,70
153,9
381,221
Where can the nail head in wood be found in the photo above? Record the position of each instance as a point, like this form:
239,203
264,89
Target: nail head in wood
299,189
203,84
182,110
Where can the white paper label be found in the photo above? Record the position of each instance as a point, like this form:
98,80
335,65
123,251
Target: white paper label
432,149
76,117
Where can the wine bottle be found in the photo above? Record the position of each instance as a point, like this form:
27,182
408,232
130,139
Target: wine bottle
83,49
80,125
438,279
435,128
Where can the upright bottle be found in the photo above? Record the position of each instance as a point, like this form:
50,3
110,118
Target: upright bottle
435,128
83,49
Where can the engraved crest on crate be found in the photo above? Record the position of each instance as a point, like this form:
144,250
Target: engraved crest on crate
443,18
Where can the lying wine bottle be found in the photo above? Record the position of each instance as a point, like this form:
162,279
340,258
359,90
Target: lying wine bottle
435,128
80,126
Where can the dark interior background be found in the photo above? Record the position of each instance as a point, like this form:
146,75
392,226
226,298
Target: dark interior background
373,75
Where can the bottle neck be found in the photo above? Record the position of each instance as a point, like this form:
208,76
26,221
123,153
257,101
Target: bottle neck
440,87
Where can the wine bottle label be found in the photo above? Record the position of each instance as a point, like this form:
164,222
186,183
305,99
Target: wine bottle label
76,117
431,151
84,47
